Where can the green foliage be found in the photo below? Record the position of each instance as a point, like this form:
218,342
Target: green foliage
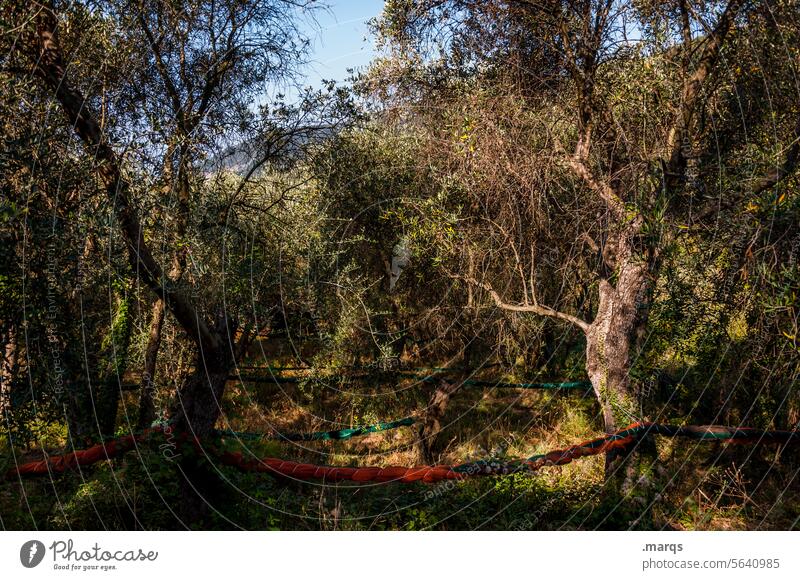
426,218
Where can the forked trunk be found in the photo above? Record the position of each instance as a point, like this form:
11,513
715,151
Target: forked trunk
199,401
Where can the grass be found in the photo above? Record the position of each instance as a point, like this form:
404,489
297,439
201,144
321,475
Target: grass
696,487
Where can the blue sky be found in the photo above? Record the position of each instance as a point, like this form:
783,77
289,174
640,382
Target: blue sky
342,39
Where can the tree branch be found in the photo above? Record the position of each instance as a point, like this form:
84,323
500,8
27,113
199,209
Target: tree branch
50,69
532,308
603,189
780,172
693,85
161,67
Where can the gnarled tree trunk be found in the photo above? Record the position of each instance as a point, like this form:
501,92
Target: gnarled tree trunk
610,341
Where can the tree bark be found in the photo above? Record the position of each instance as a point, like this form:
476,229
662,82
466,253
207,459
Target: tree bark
7,370
147,408
198,402
608,346
195,412
115,363
610,340
432,420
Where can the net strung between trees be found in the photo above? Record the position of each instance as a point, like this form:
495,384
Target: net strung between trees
335,435
429,376
619,440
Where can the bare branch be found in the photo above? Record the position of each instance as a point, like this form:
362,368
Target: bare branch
603,189
532,308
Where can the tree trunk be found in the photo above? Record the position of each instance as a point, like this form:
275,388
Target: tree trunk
198,402
608,345
432,421
108,405
147,409
609,341
116,361
197,406
7,370
195,412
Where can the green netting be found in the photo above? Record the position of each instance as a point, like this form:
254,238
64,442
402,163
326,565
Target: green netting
272,378
336,435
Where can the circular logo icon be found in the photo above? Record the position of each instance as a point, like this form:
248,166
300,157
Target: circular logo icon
31,553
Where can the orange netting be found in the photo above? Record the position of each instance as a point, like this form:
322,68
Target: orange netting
619,440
